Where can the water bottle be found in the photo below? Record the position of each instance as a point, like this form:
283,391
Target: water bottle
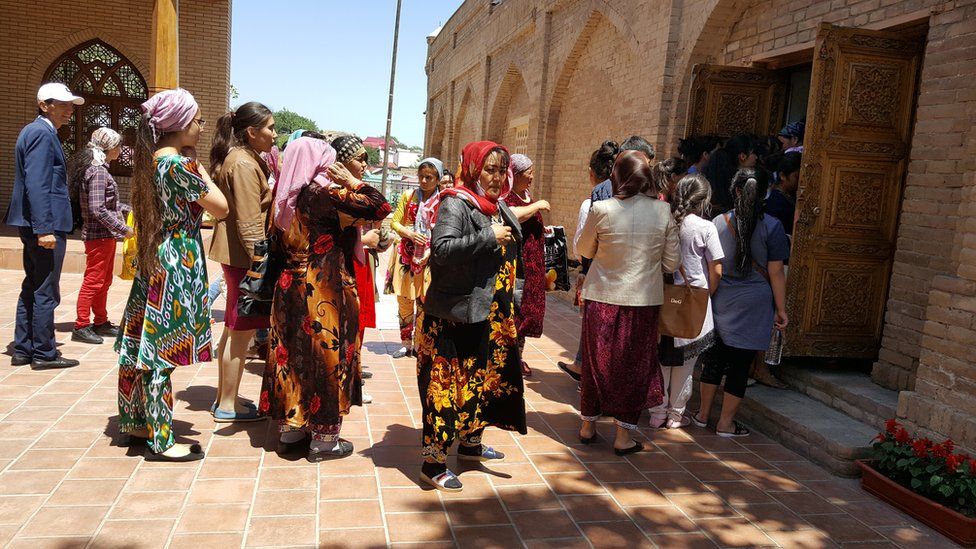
775,351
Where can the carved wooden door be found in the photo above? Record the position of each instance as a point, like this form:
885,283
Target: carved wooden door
858,138
730,100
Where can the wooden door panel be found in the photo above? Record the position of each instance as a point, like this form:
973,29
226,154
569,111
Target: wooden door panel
726,101
859,124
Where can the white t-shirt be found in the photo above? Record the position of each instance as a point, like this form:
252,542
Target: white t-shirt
584,211
699,245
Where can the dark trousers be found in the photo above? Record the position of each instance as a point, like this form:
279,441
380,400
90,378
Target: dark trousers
40,295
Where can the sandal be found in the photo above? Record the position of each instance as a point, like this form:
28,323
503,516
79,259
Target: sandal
738,431
684,421
196,454
637,447
662,425
445,482
588,440
487,454
341,449
526,371
694,419
565,368
250,415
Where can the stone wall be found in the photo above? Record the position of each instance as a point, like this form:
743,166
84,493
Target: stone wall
35,34
599,69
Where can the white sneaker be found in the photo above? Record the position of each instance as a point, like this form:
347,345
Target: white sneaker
367,398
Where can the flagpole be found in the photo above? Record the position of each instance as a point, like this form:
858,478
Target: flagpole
389,109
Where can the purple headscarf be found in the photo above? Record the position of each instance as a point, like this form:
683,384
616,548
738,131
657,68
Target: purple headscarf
170,111
519,163
305,161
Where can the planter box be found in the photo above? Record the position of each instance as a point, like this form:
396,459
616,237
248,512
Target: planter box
955,526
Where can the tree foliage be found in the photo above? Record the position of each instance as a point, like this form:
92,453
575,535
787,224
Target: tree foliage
375,157
287,122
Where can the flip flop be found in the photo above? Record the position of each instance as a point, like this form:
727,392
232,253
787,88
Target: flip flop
445,482
694,419
487,454
250,415
196,454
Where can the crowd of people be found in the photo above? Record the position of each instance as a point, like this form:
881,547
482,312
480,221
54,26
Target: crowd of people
297,235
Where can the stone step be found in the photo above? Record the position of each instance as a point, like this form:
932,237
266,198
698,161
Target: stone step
808,427
852,393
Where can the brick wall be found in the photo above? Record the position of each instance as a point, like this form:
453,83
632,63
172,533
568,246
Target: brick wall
35,34
595,69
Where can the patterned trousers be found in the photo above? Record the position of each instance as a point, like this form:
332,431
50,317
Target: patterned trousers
146,402
406,308
321,433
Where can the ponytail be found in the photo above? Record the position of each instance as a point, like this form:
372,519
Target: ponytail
749,187
147,205
231,131
691,196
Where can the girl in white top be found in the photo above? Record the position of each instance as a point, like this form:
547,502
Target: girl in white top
701,260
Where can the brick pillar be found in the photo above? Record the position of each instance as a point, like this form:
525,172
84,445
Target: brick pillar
164,61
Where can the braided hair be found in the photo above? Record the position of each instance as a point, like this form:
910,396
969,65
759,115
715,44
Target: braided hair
691,195
748,188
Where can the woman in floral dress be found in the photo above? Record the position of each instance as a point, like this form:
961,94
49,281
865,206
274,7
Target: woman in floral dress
467,355
313,374
167,318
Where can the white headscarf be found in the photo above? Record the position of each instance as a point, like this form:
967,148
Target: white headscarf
103,139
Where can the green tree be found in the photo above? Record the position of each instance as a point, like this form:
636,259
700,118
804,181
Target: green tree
287,122
375,158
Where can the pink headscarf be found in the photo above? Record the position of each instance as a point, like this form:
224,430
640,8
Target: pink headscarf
170,111
305,161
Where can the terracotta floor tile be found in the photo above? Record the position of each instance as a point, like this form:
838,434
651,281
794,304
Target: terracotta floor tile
288,478
200,541
476,485
744,461
803,470
514,474
806,503
565,462
684,453
805,539
661,519
877,513
843,528
230,447
29,482
541,445
615,534
912,537
47,459
683,541
621,471
135,505
172,478
10,449
676,483
352,537
418,527
141,534
717,444
637,493
702,505
222,490
270,531
389,477
734,532
653,462
773,481
476,512
544,524
839,490
528,498
561,543
712,471
772,517
17,509
349,514
352,465
566,484
413,499
284,502
218,467
213,518
65,521
740,492
486,537
593,509
68,542
120,467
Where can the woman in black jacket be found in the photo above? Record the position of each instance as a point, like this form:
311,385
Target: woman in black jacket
467,352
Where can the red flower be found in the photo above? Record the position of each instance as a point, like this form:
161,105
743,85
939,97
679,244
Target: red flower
920,447
264,403
891,426
281,353
940,451
315,405
284,282
307,325
880,437
972,467
953,461
949,445
322,244
902,436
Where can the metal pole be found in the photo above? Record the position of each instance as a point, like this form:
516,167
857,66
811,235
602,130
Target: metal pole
389,109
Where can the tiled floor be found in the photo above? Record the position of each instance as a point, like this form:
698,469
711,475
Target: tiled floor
65,482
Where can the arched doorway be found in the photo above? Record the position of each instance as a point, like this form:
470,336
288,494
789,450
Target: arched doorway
113,90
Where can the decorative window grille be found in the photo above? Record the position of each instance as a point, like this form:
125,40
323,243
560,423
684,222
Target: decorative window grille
113,90
521,139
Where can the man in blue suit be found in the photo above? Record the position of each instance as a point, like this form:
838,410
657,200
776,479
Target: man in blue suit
41,210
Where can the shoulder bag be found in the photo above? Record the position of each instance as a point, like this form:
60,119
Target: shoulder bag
684,308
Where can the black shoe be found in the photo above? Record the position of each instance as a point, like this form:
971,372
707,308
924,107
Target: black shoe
57,363
20,360
367,375
107,330
86,335
403,352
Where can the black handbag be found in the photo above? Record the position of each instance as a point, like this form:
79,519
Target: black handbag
267,264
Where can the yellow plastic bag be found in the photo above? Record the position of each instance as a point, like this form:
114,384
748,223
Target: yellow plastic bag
129,254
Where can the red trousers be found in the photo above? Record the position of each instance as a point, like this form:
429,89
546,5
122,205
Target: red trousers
98,279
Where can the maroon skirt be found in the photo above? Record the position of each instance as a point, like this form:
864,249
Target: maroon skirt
233,277
620,375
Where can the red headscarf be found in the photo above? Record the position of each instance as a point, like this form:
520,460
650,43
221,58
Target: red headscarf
473,158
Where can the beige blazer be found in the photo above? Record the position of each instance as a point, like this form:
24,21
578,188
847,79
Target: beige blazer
243,178
631,242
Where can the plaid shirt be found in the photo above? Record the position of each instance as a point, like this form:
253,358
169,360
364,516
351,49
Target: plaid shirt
101,210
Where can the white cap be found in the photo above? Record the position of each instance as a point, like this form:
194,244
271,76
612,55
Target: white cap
58,92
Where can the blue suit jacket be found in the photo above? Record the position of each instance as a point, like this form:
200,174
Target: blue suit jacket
40,198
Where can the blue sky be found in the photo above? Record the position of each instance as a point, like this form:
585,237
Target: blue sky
329,60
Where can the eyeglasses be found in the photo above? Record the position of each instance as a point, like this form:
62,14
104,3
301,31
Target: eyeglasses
200,122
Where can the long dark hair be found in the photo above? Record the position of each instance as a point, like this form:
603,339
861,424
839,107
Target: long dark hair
723,164
664,171
631,174
602,159
749,186
691,195
232,130
147,204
